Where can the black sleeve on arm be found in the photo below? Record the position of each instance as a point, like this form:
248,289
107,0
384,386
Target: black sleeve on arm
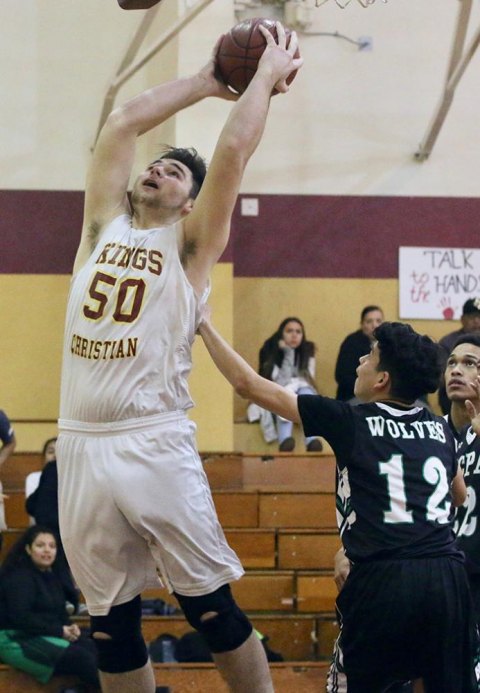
330,419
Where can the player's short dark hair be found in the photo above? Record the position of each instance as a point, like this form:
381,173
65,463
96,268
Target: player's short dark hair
190,158
469,338
412,360
369,309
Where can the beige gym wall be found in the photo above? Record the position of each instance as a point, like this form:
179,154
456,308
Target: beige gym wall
350,125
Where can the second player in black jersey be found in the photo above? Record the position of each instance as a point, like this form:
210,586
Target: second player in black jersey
461,375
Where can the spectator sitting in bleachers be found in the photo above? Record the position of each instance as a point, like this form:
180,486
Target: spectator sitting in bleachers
42,505
36,635
288,359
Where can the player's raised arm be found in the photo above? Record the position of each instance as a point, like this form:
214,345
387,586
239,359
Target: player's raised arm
113,157
207,227
247,383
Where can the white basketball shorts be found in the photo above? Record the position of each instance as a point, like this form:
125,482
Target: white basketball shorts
135,504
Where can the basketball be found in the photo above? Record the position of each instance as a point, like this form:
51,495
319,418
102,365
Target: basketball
241,49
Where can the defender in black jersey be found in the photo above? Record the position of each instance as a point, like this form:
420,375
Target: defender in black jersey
461,375
405,607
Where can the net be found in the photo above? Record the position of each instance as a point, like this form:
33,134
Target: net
344,3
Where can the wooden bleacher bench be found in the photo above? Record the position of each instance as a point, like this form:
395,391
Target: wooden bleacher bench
276,591
284,508
306,549
294,636
278,513
9,537
298,637
315,593
15,513
287,471
288,677
310,472
237,508
256,548
224,470
17,467
290,509
265,590
250,472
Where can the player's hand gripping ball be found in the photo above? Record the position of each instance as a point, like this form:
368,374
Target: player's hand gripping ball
240,50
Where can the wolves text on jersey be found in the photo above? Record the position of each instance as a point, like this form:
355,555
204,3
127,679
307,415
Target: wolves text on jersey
126,256
97,350
380,426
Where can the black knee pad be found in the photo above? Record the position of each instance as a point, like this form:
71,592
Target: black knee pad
224,632
126,649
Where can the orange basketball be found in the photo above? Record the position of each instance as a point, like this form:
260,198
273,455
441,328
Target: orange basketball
241,49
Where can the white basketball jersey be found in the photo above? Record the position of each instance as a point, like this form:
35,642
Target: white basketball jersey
131,321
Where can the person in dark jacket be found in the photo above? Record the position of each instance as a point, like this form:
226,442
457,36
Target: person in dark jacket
352,348
42,505
36,634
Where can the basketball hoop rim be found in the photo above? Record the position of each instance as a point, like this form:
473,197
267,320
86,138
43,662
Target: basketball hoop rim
343,5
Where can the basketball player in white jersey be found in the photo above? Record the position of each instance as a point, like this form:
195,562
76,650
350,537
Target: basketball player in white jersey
134,501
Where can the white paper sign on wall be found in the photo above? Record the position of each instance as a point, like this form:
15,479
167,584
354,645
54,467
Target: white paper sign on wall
434,283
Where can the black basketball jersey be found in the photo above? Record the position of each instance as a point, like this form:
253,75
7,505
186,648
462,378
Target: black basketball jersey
466,521
394,470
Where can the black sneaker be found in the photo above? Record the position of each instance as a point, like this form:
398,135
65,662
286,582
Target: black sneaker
287,445
315,445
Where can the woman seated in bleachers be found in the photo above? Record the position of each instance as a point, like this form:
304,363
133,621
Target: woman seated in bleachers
36,634
287,358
